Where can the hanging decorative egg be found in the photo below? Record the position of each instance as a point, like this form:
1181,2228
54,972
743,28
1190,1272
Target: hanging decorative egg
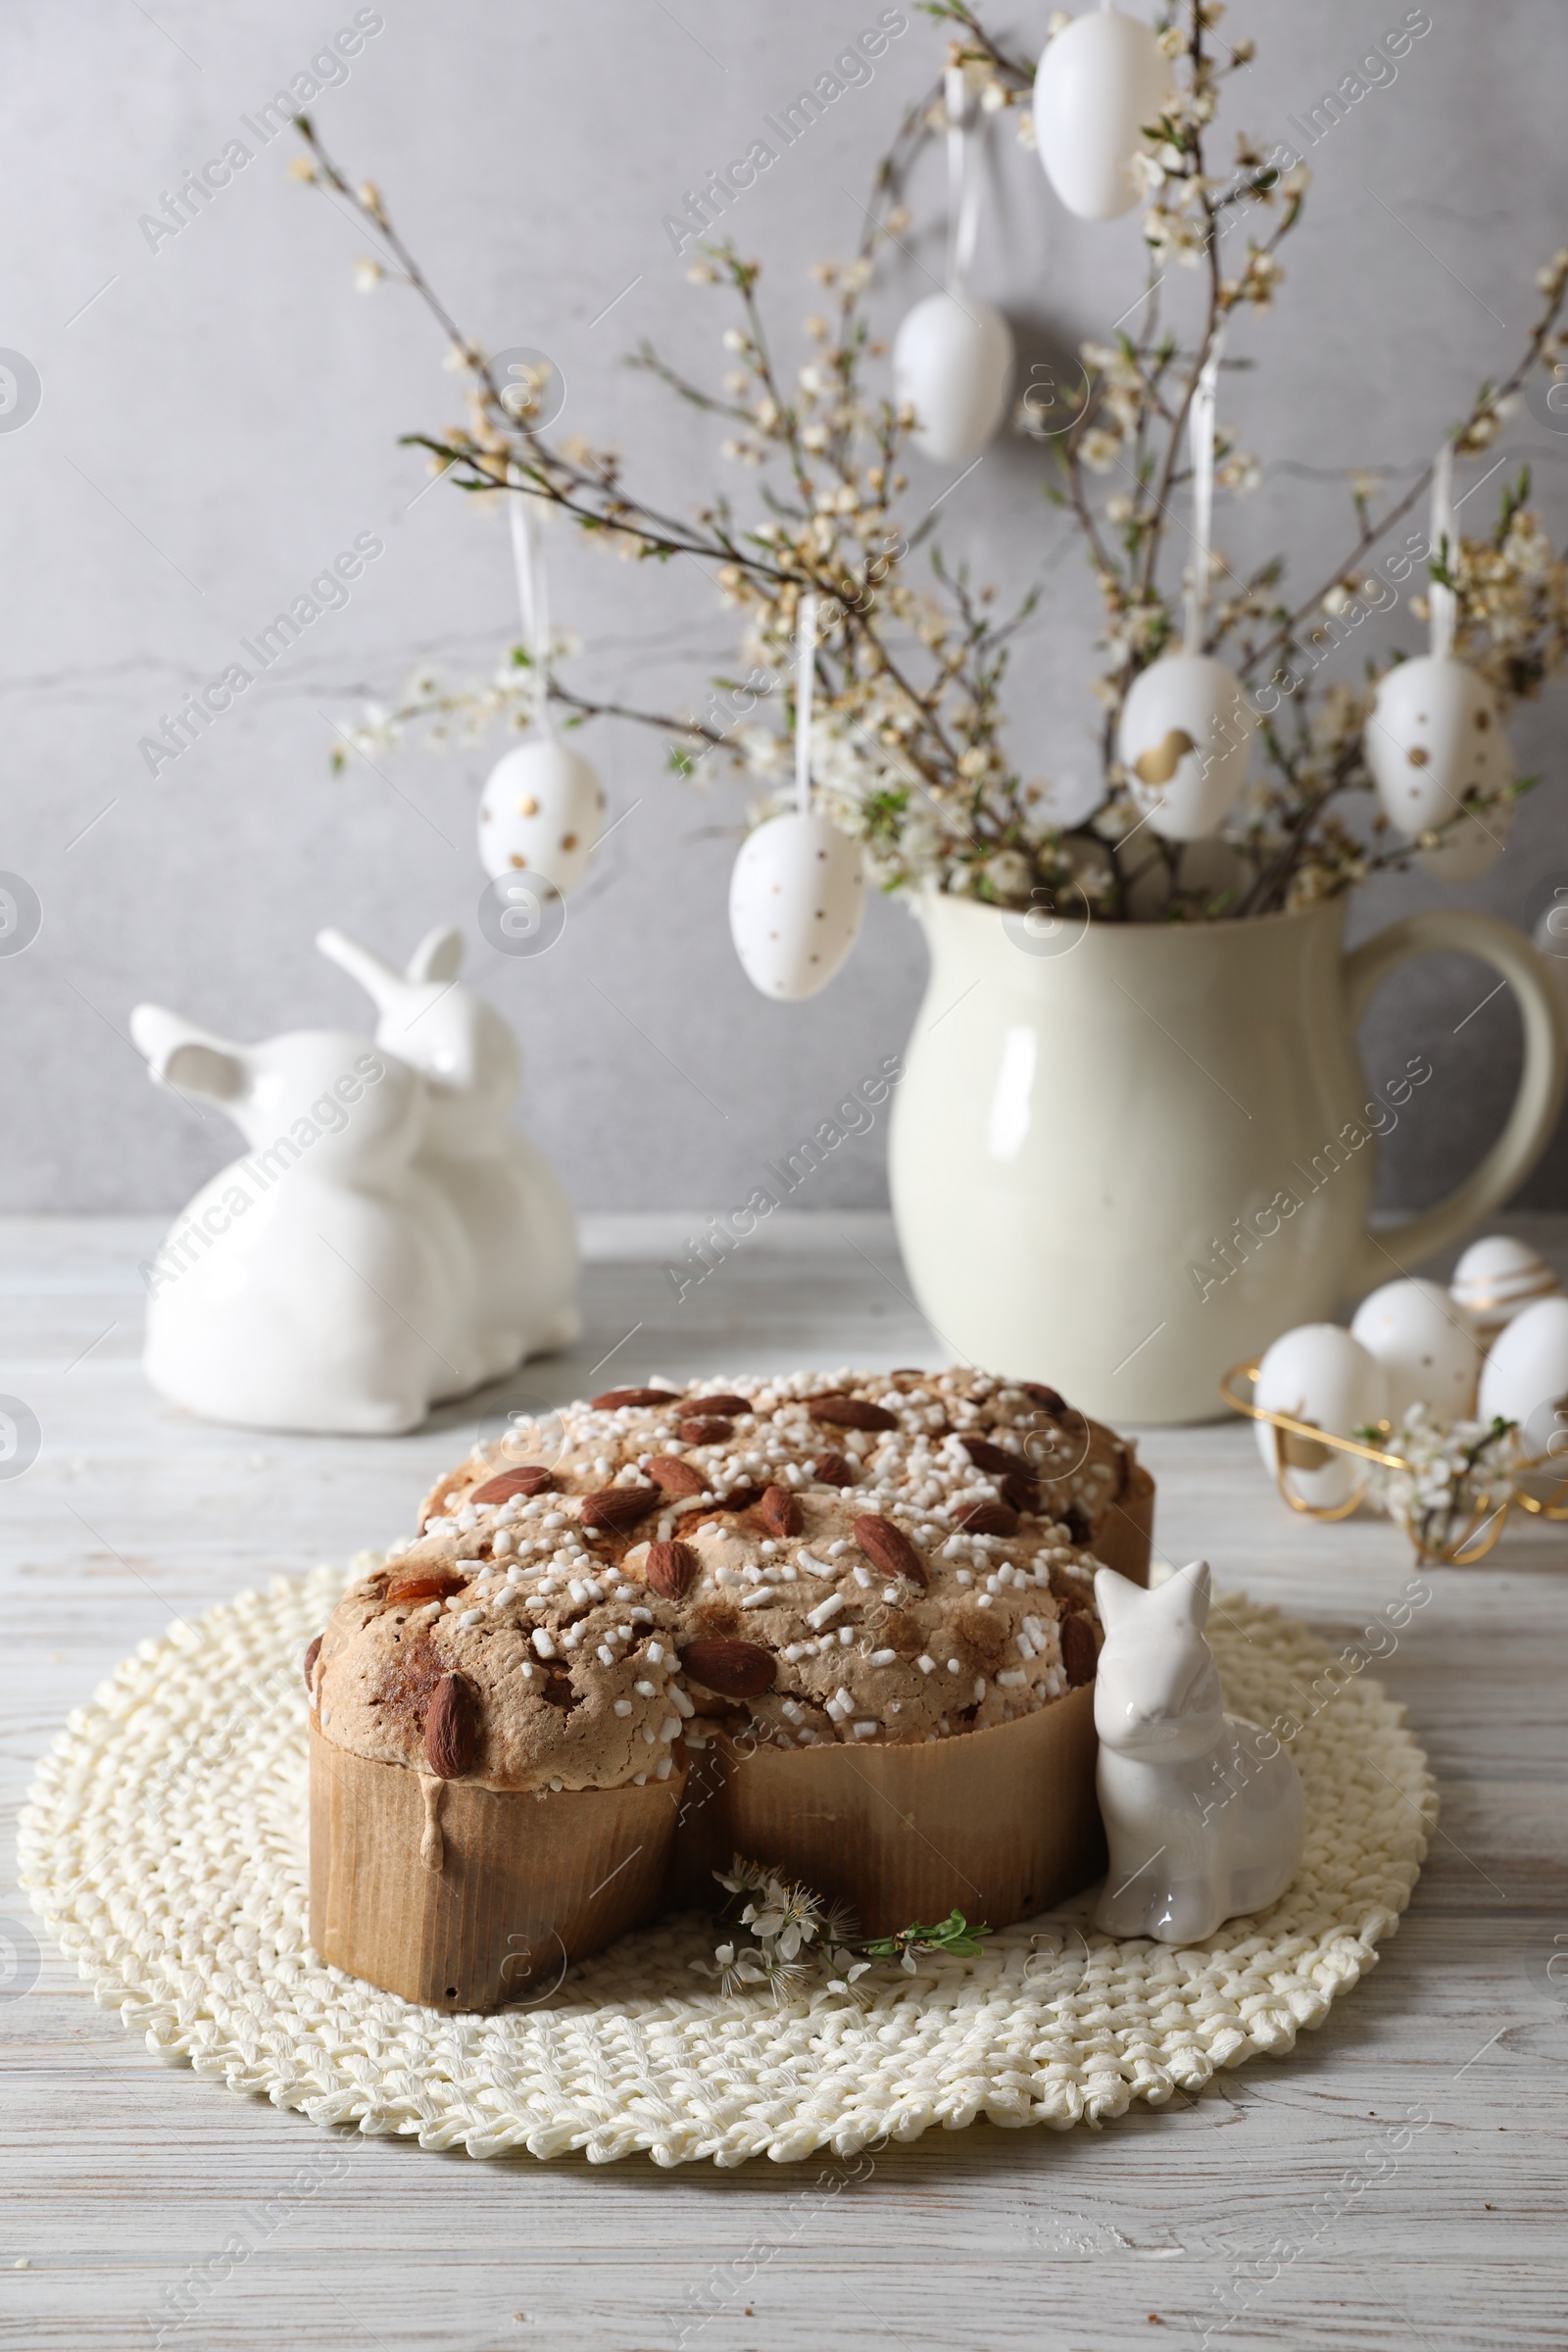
1101,81
542,813
1186,731
953,365
1525,1378
1436,734
1318,1373
795,899
1426,1345
1496,1279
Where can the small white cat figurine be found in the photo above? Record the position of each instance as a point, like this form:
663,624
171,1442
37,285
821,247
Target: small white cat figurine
1204,1812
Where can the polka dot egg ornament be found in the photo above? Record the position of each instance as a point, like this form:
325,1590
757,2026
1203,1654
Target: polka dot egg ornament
795,899
542,813
1434,739
1434,736
797,894
164,1846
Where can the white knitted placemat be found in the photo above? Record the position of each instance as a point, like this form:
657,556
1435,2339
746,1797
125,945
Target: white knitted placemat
165,1846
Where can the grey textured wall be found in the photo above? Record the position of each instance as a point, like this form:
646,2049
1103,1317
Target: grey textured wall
219,418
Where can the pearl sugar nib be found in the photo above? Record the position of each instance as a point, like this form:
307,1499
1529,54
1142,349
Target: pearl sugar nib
1185,736
542,813
796,902
952,364
1434,736
1427,1347
1496,1279
1100,80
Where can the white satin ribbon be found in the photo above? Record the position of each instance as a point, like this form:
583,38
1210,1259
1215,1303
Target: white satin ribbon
533,595
1200,446
804,688
964,181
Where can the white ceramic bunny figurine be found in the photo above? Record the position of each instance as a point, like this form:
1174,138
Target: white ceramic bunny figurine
1204,1812
511,1203
320,1282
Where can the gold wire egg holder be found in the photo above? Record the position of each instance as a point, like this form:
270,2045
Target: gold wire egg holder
1302,1446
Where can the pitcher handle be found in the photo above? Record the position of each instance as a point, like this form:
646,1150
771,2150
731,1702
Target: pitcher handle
1544,1008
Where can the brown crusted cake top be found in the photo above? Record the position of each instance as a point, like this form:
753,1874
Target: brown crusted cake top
855,1556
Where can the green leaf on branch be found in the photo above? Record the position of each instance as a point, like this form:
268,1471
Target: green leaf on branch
950,1934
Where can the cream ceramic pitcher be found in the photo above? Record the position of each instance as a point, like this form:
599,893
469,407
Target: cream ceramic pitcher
1127,1156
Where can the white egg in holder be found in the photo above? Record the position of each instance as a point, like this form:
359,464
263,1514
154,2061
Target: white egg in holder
1318,1373
797,895
1496,1279
1427,1347
1525,1379
541,811
1101,81
953,357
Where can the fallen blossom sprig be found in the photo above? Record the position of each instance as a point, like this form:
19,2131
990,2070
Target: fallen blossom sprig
782,1928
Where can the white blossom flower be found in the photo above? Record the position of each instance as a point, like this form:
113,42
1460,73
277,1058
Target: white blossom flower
1010,875
1241,474
1457,1473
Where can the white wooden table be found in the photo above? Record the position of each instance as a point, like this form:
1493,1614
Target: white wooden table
1238,2212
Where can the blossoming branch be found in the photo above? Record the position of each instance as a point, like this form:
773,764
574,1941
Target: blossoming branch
909,746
